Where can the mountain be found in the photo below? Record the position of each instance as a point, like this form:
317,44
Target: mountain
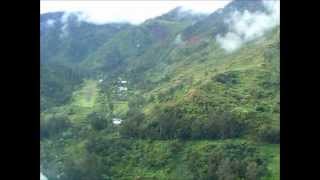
61,34
187,107
214,23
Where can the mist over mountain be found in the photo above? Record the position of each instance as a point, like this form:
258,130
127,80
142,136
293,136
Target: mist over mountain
183,95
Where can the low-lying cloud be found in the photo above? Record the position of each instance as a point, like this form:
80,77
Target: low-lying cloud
246,26
78,17
43,177
50,22
102,12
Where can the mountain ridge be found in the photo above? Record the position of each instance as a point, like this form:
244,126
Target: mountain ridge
189,109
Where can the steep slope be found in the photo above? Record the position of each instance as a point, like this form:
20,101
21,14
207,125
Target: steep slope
191,109
127,50
65,42
214,23
62,33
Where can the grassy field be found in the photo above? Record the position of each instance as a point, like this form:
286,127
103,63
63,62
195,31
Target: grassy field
87,95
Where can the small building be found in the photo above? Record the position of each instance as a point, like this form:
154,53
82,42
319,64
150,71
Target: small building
116,121
121,88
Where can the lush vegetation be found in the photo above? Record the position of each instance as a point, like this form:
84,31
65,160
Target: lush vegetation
191,110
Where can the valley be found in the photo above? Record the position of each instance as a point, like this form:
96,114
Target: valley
160,100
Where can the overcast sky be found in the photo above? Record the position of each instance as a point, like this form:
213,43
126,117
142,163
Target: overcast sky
130,11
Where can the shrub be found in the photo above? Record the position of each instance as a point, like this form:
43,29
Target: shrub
236,161
197,129
225,170
97,121
269,134
53,126
254,171
136,102
213,164
196,164
131,127
176,146
170,121
227,78
90,167
224,125
228,161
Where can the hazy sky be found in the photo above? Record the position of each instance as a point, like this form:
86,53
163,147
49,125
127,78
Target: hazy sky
131,11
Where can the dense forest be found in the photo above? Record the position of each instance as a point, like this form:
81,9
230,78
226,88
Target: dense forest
166,99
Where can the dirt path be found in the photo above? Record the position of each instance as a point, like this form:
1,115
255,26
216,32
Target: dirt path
90,91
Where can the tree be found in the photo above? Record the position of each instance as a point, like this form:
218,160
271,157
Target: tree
252,171
183,130
90,167
176,146
268,133
197,129
97,121
53,126
136,102
228,78
225,171
213,164
223,125
169,119
131,127
195,165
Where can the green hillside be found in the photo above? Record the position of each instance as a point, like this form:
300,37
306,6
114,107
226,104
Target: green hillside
189,109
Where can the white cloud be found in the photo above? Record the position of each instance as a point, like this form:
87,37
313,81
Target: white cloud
135,12
247,26
50,22
230,42
64,31
43,177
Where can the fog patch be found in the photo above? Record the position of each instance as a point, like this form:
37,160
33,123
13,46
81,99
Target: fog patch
50,22
64,27
230,42
246,26
43,177
178,40
133,12
64,31
76,17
